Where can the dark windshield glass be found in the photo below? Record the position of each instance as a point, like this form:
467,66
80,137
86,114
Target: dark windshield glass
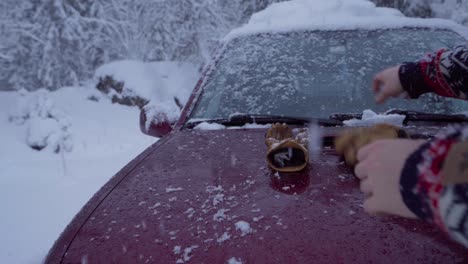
314,74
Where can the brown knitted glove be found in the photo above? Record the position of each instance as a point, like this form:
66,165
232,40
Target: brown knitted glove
286,152
350,141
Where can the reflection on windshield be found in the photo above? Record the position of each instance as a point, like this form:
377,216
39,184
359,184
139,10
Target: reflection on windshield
314,74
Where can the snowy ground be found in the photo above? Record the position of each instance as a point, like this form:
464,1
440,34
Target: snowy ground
41,191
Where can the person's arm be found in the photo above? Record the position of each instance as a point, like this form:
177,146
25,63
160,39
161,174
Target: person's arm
427,180
419,179
444,72
434,182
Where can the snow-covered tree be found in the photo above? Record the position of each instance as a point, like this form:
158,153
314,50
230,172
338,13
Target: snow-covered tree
48,42
53,43
451,9
413,8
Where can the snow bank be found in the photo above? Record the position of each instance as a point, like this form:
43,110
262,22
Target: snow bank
99,138
163,86
42,191
297,15
47,127
370,118
154,81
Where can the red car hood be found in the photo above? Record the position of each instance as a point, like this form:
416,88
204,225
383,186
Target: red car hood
208,196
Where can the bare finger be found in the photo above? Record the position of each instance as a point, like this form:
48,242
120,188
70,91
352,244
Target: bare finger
371,206
361,170
377,83
381,97
366,186
365,151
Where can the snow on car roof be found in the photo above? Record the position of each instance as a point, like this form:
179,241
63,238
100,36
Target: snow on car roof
300,15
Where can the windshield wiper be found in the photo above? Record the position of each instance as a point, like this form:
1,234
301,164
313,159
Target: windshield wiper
242,119
410,116
422,116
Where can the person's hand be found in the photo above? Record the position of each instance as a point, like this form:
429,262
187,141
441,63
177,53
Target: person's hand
349,141
387,84
379,169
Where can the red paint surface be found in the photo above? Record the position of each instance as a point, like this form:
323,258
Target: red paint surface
309,217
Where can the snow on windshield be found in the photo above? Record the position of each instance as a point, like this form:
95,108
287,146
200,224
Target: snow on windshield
299,15
315,74
370,118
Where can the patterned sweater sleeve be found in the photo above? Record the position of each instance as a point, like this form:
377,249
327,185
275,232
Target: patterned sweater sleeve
434,182
444,72
434,179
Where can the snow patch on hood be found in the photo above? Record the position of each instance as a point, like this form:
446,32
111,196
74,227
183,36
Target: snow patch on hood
243,227
370,118
234,260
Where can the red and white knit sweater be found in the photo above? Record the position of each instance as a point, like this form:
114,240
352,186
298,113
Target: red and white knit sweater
434,179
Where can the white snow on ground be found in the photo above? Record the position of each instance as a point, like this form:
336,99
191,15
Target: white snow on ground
152,80
299,15
47,127
370,118
41,191
157,82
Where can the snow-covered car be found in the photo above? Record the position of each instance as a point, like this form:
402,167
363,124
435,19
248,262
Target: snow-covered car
204,192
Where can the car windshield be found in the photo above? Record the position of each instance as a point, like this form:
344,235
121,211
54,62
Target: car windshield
315,74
